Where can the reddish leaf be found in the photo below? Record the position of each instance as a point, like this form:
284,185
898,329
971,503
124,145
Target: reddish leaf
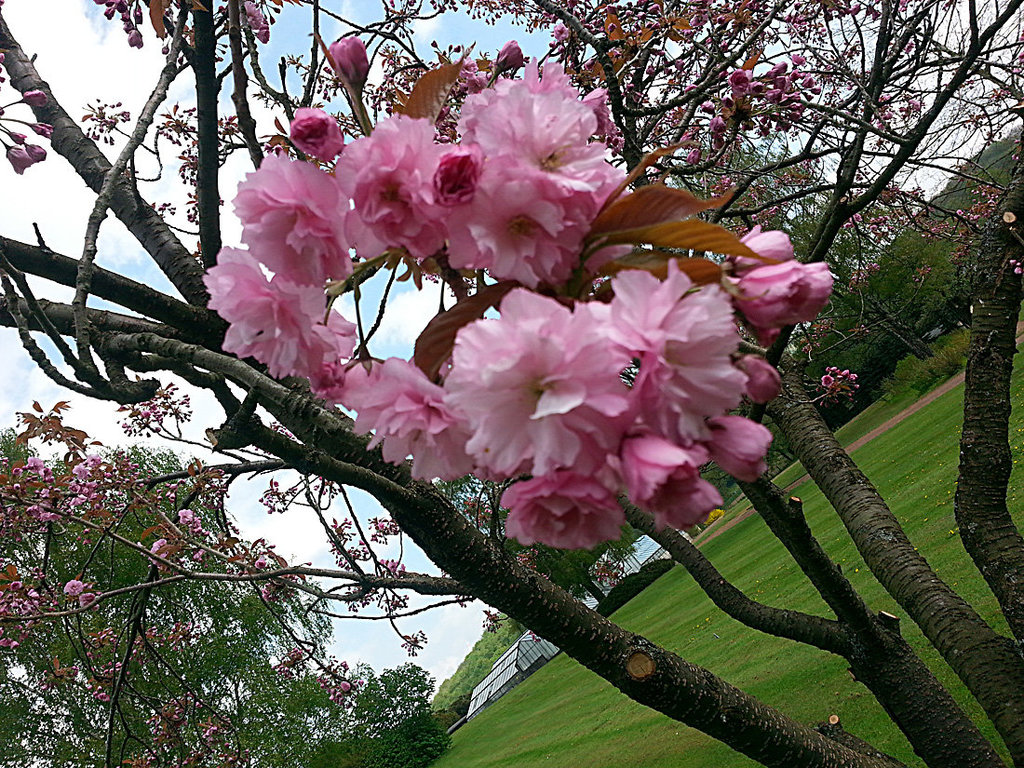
613,27
434,345
692,234
156,16
752,61
650,205
649,159
430,92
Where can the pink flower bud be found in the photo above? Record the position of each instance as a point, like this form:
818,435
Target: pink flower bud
456,176
740,80
738,445
17,138
38,154
348,57
135,39
763,381
34,98
317,133
784,294
510,57
19,158
773,244
43,129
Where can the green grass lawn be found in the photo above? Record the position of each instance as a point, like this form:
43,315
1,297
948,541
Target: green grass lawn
566,716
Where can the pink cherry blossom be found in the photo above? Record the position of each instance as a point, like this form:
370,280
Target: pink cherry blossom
520,226
19,159
738,445
389,176
783,294
665,479
456,176
292,214
684,342
278,322
407,412
562,509
257,22
317,133
510,57
539,388
348,58
74,588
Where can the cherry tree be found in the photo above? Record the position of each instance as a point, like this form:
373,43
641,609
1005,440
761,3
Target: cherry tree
607,225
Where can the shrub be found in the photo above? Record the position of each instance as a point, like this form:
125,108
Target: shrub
415,743
633,585
949,355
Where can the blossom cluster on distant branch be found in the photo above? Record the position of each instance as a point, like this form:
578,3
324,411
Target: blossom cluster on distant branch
611,368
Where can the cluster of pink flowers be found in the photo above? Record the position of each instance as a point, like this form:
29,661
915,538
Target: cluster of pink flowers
836,384
589,399
21,154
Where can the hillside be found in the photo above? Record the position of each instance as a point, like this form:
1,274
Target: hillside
566,716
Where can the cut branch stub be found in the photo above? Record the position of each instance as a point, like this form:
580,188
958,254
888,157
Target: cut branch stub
435,343
640,666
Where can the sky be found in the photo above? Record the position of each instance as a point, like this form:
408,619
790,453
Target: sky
85,59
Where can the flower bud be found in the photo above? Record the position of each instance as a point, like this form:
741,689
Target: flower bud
34,98
19,159
510,58
763,380
456,176
348,57
317,133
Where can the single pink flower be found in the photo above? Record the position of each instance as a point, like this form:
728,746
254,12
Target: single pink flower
19,159
74,588
665,478
539,388
43,129
34,98
684,342
257,22
510,57
456,176
292,217
739,445
317,133
408,414
521,225
773,244
278,322
389,176
563,509
740,81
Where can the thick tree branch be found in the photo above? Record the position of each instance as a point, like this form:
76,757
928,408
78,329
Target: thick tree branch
988,663
986,528
204,64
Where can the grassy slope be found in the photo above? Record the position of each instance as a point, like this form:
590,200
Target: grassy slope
566,716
